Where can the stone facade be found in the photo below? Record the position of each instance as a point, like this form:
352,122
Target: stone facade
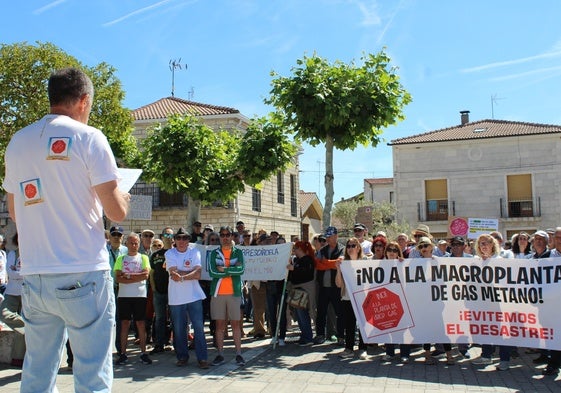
476,174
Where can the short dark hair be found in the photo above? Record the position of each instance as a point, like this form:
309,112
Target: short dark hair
226,228
68,85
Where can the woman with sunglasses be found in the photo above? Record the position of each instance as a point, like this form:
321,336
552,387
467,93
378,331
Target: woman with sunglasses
378,247
521,247
353,252
393,252
425,248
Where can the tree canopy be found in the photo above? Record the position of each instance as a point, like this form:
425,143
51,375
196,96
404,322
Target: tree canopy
186,155
341,105
24,73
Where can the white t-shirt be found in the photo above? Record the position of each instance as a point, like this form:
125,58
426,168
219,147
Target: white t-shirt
366,247
188,291
3,272
52,166
132,264
15,280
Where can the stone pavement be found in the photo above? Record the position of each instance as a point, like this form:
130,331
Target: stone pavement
294,369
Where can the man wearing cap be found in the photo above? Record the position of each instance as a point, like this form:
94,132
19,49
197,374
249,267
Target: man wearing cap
329,293
226,266
457,245
360,231
146,241
116,249
159,281
422,230
208,229
240,227
539,244
186,298
441,249
196,232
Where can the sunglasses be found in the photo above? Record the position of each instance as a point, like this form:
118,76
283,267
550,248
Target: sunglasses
157,245
378,245
182,237
246,235
214,239
147,235
322,240
116,234
167,235
456,244
423,246
392,250
357,230
417,235
351,245
225,234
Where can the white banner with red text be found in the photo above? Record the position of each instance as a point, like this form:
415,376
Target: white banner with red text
457,300
262,263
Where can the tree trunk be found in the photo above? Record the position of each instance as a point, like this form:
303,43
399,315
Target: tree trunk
193,212
328,181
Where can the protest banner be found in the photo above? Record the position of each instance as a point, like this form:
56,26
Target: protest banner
262,263
457,300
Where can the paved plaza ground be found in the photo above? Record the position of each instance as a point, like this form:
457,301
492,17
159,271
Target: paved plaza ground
294,369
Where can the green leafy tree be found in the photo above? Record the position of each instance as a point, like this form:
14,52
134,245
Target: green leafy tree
340,105
185,155
24,73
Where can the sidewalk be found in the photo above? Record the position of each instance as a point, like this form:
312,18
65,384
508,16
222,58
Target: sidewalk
294,369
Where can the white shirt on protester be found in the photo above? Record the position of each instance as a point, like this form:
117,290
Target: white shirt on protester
188,291
55,194
366,247
15,280
131,264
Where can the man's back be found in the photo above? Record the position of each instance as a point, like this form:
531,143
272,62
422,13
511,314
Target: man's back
53,194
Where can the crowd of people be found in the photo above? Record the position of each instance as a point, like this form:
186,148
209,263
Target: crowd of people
160,293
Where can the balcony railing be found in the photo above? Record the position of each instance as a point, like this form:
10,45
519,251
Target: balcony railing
524,207
435,210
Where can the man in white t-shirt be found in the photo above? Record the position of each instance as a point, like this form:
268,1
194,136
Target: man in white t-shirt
185,297
131,272
360,231
61,179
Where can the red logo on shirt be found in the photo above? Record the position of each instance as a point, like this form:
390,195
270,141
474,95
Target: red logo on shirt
58,146
30,191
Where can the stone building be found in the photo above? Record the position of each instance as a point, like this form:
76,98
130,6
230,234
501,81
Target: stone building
274,207
497,169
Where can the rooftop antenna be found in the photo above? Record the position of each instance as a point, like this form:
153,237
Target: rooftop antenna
173,65
191,93
494,100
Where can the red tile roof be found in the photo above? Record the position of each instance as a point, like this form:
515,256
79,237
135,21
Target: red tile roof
380,180
482,129
307,198
165,107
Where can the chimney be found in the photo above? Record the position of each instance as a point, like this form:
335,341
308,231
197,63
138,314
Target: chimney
464,115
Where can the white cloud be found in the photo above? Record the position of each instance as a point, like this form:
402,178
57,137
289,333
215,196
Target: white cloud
48,6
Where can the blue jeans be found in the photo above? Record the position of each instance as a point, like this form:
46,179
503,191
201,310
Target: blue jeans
305,324
160,324
179,319
87,313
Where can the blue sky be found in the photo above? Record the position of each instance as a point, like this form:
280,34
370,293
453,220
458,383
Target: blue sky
452,55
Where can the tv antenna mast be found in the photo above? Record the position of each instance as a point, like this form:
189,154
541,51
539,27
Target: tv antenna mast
173,65
494,102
